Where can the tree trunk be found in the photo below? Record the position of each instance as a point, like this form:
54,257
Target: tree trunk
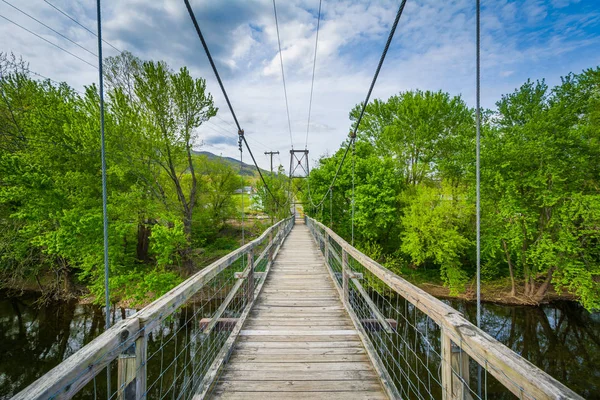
513,290
543,289
143,241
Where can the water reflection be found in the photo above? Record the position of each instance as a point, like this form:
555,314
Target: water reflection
33,340
561,338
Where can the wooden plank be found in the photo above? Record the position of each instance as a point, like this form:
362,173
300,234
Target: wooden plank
301,366
256,324
259,307
313,395
301,351
295,358
300,386
253,375
300,337
297,344
320,332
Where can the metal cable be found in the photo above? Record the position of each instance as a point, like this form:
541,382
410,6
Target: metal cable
214,67
478,174
364,106
259,172
47,41
478,165
53,30
212,63
313,74
104,188
352,215
80,24
287,108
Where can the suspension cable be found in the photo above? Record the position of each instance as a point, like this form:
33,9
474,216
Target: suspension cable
212,63
312,84
364,105
287,108
216,72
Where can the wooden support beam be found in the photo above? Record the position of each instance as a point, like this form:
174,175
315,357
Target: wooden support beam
374,310
218,324
126,374
131,371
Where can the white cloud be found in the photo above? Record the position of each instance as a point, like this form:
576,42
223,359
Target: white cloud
434,48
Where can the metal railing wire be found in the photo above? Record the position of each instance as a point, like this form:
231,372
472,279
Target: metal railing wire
174,347
421,347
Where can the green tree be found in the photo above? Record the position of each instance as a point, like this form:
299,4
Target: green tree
540,182
175,104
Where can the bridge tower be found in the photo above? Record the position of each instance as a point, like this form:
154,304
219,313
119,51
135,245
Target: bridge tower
299,168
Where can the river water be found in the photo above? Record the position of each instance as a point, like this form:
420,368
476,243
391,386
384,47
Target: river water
561,338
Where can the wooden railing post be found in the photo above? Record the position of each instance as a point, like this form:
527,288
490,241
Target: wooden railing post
326,247
455,371
250,276
132,371
446,366
345,277
271,246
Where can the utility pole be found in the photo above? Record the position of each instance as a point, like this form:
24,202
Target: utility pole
271,153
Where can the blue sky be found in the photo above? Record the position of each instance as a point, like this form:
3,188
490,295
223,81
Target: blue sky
434,48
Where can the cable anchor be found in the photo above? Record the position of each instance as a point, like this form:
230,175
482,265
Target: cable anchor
240,138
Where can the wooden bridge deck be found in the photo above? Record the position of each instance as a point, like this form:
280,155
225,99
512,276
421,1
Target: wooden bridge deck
299,342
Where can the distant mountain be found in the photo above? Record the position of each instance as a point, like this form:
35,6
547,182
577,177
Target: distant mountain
247,169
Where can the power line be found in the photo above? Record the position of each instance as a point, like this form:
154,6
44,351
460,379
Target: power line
364,106
287,108
80,24
29,71
47,41
52,29
214,67
312,84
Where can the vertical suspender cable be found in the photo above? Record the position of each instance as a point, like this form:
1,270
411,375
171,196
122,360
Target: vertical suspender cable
241,135
313,77
104,195
331,207
352,216
478,173
287,108
478,165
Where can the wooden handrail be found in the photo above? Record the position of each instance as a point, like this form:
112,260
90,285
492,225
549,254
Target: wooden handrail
66,379
517,374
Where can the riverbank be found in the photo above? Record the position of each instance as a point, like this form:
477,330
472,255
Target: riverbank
497,292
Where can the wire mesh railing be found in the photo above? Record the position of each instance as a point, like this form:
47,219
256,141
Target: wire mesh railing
174,347
421,347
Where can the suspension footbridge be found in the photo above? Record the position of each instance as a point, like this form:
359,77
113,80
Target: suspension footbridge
297,313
